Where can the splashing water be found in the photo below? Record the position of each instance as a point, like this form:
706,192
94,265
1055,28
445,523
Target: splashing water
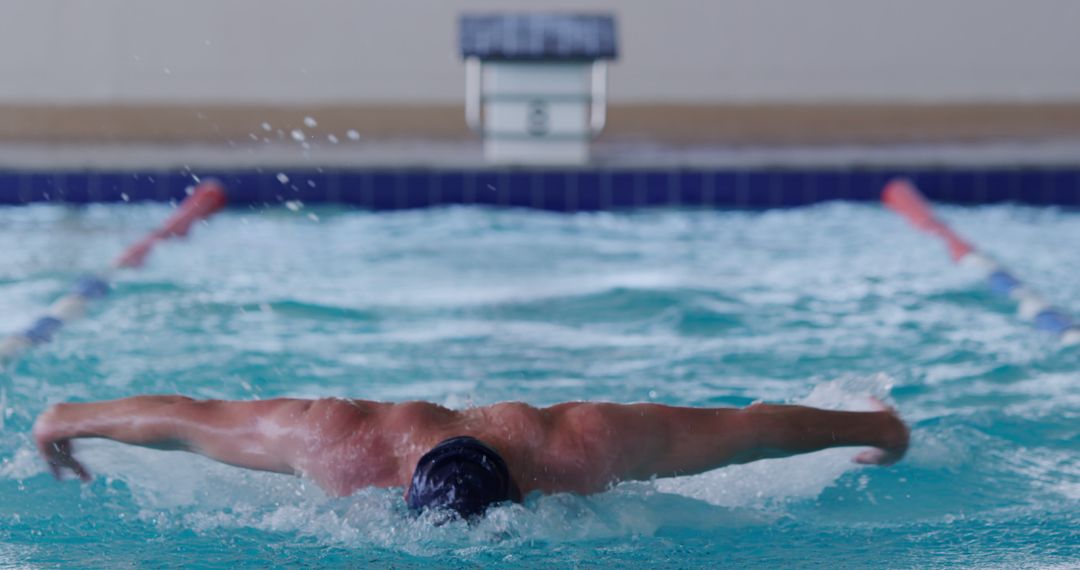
461,306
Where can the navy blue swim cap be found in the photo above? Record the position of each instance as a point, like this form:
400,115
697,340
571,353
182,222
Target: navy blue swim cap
461,474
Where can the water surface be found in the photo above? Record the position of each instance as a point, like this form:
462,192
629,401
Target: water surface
467,306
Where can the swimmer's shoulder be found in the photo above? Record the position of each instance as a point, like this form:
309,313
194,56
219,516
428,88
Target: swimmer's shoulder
577,408
332,410
417,413
558,417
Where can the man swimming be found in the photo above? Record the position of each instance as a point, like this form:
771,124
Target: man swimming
466,460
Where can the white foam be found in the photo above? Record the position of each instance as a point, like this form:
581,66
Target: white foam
12,556
379,517
23,464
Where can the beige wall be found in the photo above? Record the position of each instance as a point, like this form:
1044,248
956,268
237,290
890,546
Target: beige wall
355,52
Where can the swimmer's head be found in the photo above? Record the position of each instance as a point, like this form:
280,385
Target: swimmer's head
461,474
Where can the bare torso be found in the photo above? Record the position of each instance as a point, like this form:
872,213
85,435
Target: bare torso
350,444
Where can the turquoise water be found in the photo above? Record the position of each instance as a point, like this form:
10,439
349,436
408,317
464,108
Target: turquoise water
471,306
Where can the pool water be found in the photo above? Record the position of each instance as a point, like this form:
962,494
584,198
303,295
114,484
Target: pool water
469,306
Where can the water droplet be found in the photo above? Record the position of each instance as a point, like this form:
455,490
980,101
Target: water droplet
297,135
310,122
282,178
294,205
352,134
266,127
167,71
332,139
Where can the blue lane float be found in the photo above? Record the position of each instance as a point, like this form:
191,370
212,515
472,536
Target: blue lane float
89,288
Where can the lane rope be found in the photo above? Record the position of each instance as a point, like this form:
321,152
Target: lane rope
207,198
901,196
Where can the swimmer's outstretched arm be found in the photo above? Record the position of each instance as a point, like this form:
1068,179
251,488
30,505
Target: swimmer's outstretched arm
266,435
672,441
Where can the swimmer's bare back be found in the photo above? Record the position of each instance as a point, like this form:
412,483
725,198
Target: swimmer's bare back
582,447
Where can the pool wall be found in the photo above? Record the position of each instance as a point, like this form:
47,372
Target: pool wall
562,190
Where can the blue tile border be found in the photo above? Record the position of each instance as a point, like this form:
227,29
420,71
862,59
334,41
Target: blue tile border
553,189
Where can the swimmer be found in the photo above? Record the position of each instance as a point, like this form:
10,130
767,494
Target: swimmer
465,461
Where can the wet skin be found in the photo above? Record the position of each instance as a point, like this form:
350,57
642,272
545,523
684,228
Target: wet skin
581,447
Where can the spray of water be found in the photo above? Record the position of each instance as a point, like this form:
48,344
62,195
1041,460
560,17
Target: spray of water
179,489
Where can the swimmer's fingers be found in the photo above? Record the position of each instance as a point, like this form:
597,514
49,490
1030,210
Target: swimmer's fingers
876,457
68,461
880,406
58,456
78,469
52,453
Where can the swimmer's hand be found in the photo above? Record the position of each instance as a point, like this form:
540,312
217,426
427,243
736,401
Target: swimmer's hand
58,455
55,449
894,438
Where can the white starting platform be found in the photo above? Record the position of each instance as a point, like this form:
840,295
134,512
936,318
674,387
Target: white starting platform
536,84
